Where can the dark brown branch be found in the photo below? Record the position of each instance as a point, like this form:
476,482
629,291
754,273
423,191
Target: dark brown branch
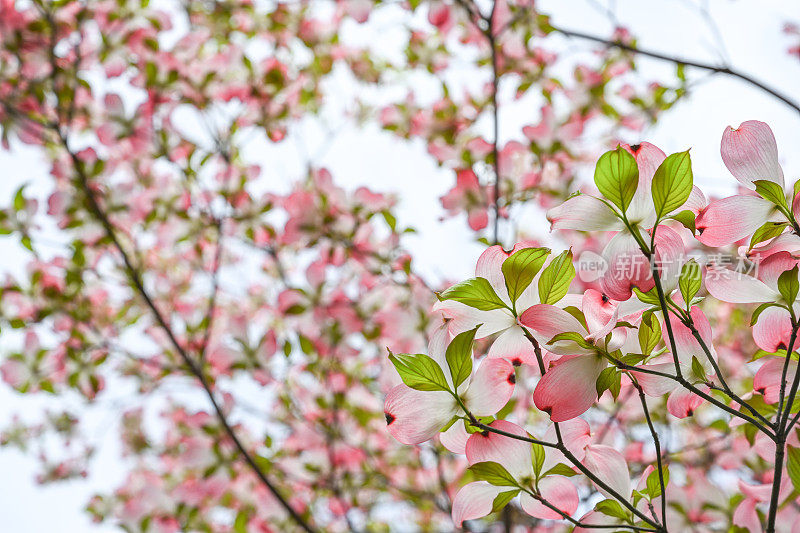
136,279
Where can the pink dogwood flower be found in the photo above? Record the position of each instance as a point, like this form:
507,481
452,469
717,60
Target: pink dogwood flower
511,342
626,266
415,416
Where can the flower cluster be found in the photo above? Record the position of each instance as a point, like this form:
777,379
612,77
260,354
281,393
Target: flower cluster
634,336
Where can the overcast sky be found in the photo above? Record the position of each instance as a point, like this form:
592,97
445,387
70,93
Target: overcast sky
752,38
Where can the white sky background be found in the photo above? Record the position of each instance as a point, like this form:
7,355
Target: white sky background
751,31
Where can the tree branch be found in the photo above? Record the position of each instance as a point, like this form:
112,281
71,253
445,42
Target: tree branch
719,69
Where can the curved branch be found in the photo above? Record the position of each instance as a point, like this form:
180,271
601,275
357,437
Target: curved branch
718,69
136,279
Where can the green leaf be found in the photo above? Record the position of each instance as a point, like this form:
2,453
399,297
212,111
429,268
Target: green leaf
650,297
697,369
419,372
520,269
611,508
686,218
556,278
766,232
474,292
459,356
788,285
771,191
19,199
240,524
609,379
561,470
494,473
578,314
690,280
537,458
654,484
649,333
617,176
672,183
793,466
572,336
502,499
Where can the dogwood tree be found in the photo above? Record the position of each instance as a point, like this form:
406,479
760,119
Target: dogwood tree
284,365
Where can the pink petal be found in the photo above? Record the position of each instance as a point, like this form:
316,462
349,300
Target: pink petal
627,268
547,321
474,500
491,387
685,342
731,219
771,268
416,416
514,346
576,436
568,388
455,438
785,242
513,454
600,313
682,403
462,318
656,385
670,255
609,465
773,329
767,380
596,519
751,153
558,491
648,158
584,213
737,288
489,266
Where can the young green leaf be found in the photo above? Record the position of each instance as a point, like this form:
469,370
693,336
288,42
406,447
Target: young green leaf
556,278
419,372
609,379
771,191
561,470
672,183
649,333
697,369
537,458
572,336
502,499
793,466
494,473
611,508
690,280
617,176
766,232
654,482
520,269
650,297
474,292
459,356
788,285
686,218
